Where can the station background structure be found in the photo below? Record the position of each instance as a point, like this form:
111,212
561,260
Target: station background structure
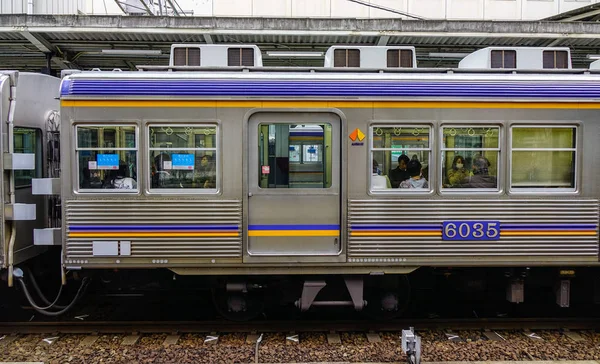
51,35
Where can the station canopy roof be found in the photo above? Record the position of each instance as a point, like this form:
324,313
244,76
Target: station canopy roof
86,42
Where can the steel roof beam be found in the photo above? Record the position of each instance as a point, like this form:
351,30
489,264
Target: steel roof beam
383,40
582,16
46,47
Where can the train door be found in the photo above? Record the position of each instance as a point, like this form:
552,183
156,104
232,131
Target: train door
294,189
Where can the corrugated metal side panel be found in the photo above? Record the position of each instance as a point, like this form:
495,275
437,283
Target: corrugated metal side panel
13,6
565,216
54,7
115,216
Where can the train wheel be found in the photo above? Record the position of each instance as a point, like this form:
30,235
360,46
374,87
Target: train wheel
238,306
387,298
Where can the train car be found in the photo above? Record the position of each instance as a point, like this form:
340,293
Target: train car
29,107
275,174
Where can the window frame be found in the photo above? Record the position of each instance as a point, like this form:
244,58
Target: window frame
303,190
499,169
182,191
431,162
575,190
75,164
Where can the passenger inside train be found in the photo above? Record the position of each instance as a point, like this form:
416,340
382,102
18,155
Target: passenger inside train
416,179
481,177
458,173
399,174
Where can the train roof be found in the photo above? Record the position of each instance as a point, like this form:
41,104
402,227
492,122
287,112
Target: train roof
555,85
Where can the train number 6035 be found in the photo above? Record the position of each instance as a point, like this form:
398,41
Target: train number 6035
471,230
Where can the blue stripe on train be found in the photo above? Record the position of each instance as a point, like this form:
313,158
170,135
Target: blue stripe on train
151,227
502,226
293,227
132,87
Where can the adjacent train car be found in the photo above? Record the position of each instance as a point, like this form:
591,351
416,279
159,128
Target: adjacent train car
29,107
250,176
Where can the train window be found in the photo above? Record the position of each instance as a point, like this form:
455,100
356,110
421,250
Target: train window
106,158
28,140
470,157
543,157
400,157
294,156
183,157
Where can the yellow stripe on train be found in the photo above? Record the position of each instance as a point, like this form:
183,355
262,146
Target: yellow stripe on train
293,233
330,104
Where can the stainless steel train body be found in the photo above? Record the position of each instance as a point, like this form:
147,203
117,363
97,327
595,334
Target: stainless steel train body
276,205
29,107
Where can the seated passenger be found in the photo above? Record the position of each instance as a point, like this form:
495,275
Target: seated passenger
399,173
379,182
205,175
458,174
415,180
121,181
481,177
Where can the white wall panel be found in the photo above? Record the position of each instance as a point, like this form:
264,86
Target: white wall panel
270,8
232,8
311,8
465,9
502,9
13,6
345,8
199,7
400,5
430,9
567,5
539,9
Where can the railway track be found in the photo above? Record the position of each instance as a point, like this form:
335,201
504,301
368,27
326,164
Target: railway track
84,327
459,340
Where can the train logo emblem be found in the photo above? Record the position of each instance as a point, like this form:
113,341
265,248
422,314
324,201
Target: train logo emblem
357,137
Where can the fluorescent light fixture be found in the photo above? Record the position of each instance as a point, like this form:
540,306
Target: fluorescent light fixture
290,54
448,55
593,56
132,52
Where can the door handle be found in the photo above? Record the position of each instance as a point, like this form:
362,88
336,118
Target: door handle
249,194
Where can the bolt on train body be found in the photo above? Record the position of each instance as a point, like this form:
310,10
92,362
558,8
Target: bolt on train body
253,176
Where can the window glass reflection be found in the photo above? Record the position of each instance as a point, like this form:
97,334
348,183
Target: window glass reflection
183,157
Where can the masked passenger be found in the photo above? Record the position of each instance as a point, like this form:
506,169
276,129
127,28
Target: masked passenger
458,174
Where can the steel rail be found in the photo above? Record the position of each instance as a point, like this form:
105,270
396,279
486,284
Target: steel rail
114,327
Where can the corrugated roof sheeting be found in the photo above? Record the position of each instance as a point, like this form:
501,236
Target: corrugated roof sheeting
11,36
292,39
123,37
